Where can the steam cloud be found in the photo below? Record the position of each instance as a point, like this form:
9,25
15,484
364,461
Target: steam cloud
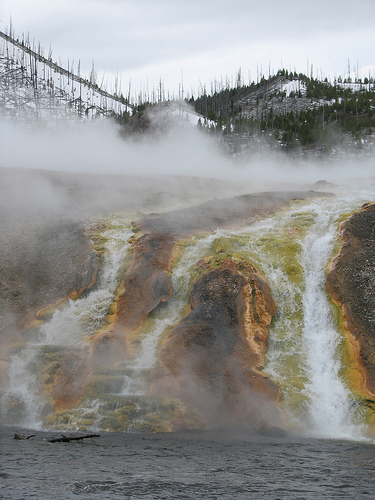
96,147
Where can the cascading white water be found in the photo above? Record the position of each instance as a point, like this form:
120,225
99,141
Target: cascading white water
168,315
303,351
330,409
292,249
21,402
84,316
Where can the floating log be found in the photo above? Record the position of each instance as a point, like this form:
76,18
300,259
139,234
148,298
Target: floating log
67,439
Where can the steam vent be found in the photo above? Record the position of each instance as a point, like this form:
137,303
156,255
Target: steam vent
207,317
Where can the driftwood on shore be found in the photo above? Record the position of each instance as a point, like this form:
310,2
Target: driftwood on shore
67,439
18,437
63,439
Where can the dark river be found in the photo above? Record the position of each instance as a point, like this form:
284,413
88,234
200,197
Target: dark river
187,465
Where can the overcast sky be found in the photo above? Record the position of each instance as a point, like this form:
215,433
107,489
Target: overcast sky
196,41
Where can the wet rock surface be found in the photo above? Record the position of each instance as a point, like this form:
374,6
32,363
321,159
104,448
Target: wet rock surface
41,263
213,356
351,283
67,390
147,282
224,213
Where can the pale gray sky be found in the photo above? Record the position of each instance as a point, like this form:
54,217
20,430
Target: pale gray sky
149,40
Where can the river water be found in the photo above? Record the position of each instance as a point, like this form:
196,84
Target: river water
191,465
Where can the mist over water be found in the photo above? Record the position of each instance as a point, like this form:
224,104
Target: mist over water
84,171
74,173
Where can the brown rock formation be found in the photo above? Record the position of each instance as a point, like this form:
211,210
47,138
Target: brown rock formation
351,283
67,391
214,354
147,283
144,287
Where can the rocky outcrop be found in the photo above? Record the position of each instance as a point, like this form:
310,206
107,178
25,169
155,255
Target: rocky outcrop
144,286
212,358
40,265
351,283
147,282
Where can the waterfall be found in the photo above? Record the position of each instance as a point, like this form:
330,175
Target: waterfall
330,407
167,315
293,249
21,401
85,316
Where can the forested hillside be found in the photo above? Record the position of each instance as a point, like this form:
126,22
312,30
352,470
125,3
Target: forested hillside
287,111
293,109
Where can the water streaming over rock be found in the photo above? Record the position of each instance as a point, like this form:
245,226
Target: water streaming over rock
292,249
330,407
84,316
21,401
304,350
167,315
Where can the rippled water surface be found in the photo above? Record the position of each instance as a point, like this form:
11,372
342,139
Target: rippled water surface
184,466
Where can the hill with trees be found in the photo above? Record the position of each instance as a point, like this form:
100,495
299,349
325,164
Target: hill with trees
287,111
292,110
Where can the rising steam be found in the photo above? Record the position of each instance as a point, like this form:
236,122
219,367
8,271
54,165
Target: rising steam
96,147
